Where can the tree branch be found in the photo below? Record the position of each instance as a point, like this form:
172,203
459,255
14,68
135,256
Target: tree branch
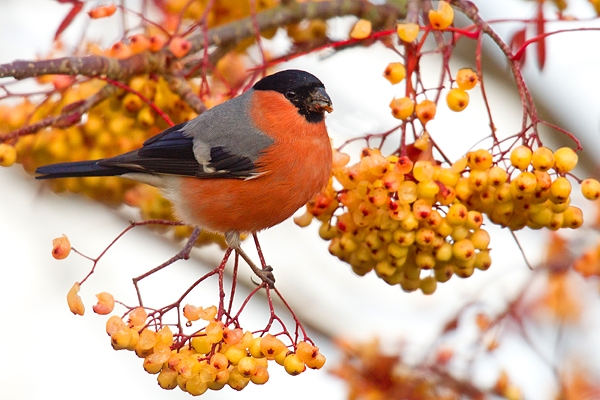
233,32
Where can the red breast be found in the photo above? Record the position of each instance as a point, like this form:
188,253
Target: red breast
293,169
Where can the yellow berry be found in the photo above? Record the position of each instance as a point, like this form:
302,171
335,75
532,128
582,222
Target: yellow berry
463,250
201,344
395,72
466,78
572,217
520,157
293,364
234,354
8,155
361,30
480,160
428,285
542,159
423,170
483,261
457,99
590,188
402,108
565,159
480,239
457,214
524,183
261,376
407,31
442,17
167,379
560,190
247,366
425,111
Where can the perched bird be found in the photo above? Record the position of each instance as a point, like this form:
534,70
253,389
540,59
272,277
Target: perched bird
243,166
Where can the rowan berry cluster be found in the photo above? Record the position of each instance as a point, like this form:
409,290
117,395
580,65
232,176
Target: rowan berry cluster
119,124
210,358
418,223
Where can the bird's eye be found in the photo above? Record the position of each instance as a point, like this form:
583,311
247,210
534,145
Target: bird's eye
290,94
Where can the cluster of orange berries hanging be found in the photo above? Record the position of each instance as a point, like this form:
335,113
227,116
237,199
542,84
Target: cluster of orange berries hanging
212,357
415,222
418,223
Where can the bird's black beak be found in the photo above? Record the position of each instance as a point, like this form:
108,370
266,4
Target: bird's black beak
319,101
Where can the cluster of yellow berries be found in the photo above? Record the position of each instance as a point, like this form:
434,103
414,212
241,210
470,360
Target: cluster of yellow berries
119,124
533,192
457,98
392,221
416,224
211,358
404,108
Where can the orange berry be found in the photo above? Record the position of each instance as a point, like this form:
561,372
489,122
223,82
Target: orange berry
306,351
457,99
179,46
157,43
122,338
74,301
395,72
271,346
105,305
425,111
139,43
232,336
61,247
402,108
102,11
317,362
466,78
137,316
442,17
407,31
361,30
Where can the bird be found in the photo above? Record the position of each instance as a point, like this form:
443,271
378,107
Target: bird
242,166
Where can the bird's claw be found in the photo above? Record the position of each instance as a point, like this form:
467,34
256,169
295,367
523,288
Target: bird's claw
266,275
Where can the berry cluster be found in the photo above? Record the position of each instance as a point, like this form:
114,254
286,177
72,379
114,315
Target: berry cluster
418,223
400,219
532,192
212,357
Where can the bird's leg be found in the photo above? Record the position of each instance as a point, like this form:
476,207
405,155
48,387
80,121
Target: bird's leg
265,273
183,254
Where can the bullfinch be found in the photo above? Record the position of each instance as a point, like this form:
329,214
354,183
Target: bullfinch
242,166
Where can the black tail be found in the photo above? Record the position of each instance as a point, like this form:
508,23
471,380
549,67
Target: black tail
77,169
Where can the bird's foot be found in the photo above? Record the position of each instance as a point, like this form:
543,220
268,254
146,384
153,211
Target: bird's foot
265,274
